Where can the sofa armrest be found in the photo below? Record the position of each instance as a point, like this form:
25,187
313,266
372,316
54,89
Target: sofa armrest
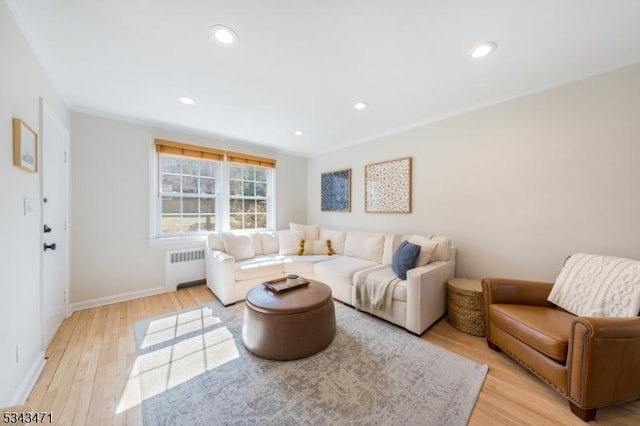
518,292
427,294
221,275
603,361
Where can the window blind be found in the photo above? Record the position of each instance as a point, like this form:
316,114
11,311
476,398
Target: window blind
185,150
236,157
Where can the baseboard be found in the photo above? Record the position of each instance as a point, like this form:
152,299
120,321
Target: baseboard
29,381
115,299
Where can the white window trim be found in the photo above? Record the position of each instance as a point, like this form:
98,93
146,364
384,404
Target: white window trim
221,205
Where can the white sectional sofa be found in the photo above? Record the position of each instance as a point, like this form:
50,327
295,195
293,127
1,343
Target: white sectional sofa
236,263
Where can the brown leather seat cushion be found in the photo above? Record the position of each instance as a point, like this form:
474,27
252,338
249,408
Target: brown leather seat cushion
544,329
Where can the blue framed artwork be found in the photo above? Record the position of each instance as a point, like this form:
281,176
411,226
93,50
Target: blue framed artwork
335,191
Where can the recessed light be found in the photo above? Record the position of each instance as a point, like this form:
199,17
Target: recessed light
186,100
298,133
223,35
360,105
483,50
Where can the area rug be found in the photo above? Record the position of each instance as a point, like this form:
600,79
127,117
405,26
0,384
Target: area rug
193,369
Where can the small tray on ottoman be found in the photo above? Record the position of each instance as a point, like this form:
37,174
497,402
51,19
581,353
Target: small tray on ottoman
280,285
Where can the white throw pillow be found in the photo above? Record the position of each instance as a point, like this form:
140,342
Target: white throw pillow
337,239
311,232
443,251
289,241
391,243
238,246
315,247
598,286
269,242
427,247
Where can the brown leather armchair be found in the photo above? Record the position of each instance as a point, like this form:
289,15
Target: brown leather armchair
591,361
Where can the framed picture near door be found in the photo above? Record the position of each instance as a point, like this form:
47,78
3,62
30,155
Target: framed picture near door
25,146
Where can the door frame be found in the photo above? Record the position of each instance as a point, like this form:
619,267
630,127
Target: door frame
45,109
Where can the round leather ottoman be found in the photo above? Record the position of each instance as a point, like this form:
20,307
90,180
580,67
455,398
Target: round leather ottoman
289,325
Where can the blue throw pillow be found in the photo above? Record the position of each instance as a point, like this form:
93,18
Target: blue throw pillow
405,259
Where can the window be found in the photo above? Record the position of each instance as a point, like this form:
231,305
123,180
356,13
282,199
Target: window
248,197
203,189
188,192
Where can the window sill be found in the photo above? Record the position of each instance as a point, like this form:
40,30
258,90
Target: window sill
178,242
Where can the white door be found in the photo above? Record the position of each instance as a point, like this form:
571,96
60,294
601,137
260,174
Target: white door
54,138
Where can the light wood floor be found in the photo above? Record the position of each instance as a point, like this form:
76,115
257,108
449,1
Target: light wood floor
87,379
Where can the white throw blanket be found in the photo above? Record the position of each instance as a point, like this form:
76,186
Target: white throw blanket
598,286
374,289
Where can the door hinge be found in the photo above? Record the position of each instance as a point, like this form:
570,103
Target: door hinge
65,157
65,226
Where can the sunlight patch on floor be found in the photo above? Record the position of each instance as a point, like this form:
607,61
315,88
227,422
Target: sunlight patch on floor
174,364
168,328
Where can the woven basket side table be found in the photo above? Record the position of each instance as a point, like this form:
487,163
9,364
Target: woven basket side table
465,304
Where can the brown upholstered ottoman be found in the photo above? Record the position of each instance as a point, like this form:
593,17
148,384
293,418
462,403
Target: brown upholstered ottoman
289,325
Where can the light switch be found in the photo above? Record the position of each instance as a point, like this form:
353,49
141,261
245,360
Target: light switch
29,206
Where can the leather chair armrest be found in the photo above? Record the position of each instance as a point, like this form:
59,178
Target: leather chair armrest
612,327
517,292
603,361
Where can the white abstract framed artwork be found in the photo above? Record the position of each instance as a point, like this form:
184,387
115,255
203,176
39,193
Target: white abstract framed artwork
388,186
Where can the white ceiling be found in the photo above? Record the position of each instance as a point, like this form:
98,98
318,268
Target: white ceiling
301,64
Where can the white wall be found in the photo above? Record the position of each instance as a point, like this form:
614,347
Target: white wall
519,185
22,83
110,205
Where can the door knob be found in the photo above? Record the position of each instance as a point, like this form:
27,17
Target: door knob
47,229
49,246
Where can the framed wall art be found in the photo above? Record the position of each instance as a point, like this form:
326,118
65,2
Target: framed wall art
25,146
335,191
388,186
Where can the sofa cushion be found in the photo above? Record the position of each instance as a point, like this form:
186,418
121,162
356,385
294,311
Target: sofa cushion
340,270
337,239
405,259
270,243
303,265
311,232
215,241
400,288
427,247
256,239
364,245
260,266
544,329
443,250
400,291
238,246
289,241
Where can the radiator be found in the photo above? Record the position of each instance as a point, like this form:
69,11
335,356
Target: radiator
183,267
